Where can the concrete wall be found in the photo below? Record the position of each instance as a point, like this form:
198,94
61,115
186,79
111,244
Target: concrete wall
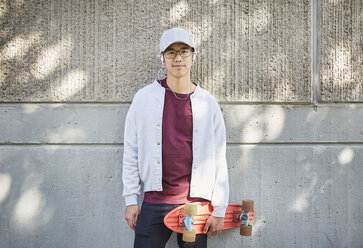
68,70
341,51
97,51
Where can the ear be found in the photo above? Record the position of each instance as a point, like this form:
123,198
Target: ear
161,57
194,56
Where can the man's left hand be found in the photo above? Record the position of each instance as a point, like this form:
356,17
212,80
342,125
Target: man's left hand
214,225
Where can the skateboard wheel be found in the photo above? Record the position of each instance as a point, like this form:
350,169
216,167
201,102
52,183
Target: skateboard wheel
189,236
190,208
247,205
246,230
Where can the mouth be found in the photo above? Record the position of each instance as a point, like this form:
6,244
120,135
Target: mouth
178,66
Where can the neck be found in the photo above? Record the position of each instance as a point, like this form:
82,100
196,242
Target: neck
180,85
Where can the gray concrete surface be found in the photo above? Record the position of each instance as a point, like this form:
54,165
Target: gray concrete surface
247,124
60,186
66,196
61,196
341,51
106,50
68,70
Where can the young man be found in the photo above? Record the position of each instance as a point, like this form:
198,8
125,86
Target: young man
175,144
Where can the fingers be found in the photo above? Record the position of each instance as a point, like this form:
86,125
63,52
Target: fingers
132,226
130,222
131,216
213,232
206,228
136,218
213,226
209,228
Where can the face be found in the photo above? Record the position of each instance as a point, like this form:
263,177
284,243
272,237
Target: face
179,66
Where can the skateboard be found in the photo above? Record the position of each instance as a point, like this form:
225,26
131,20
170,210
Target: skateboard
190,218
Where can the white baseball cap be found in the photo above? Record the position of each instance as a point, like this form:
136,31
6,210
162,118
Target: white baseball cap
175,35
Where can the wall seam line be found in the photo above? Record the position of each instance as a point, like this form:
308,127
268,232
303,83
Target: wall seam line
315,54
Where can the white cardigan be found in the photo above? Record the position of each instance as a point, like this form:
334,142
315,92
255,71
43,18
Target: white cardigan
142,159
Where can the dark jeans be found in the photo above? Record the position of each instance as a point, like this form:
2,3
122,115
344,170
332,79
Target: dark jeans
152,233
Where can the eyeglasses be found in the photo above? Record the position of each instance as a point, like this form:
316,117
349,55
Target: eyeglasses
170,54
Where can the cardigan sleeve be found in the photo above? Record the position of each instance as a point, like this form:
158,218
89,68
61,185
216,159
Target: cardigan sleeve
130,170
220,193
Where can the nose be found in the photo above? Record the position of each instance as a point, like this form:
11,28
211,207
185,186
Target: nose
178,57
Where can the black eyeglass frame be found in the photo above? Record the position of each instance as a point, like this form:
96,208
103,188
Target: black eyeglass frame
190,49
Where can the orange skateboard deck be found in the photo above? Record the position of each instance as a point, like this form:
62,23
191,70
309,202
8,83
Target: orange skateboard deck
174,219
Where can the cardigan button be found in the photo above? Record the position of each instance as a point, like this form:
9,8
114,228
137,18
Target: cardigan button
158,143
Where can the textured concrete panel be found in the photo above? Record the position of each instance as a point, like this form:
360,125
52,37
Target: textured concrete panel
62,123
342,51
256,51
62,196
305,196
339,123
70,196
104,123
106,50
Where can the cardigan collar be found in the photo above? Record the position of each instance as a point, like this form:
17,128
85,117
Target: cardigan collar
156,84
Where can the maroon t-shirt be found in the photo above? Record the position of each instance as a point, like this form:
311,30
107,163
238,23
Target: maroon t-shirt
177,155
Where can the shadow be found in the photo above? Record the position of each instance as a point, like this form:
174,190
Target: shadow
341,51
48,197
24,201
301,175
113,47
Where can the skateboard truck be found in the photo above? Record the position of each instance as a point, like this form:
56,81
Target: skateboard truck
188,221
244,217
180,219
241,216
236,215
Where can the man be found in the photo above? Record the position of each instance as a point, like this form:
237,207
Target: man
175,144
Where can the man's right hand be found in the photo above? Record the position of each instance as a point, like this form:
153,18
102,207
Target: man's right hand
131,215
